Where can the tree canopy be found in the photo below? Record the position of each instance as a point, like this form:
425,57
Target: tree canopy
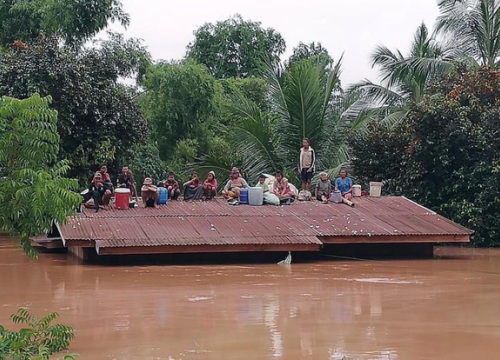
73,21
98,117
444,155
179,102
310,51
34,191
235,47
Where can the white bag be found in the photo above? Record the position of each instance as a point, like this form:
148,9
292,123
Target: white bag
271,199
304,195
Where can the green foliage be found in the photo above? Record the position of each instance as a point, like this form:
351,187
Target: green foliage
251,88
235,47
404,78
98,117
474,26
312,51
302,103
33,190
73,21
38,340
180,101
127,57
144,160
445,154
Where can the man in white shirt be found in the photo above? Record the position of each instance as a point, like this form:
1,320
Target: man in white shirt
306,164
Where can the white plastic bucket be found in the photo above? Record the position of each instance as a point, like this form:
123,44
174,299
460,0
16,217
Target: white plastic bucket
336,197
375,189
356,190
255,196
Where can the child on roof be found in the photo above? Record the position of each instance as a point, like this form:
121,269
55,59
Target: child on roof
210,186
172,186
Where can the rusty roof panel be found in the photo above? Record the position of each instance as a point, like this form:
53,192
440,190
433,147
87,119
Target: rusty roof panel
268,240
216,222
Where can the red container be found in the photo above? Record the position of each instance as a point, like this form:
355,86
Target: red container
122,198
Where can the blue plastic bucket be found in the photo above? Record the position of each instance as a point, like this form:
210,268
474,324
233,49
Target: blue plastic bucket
244,196
163,196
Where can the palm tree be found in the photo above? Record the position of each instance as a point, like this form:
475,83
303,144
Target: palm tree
474,26
403,78
302,106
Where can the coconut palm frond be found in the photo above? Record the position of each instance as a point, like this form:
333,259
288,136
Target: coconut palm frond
332,85
475,26
428,68
376,94
309,92
214,162
273,73
361,116
338,159
387,62
256,139
395,118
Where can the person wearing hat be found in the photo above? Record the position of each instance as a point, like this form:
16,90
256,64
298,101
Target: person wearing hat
210,186
323,188
149,193
99,192
236,182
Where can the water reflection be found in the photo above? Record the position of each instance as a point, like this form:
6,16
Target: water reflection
325,310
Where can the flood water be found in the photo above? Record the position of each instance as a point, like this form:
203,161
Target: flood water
443,308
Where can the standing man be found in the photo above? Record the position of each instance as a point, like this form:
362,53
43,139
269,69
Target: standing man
306,164
126,180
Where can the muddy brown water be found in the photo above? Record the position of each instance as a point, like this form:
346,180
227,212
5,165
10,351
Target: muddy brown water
442,308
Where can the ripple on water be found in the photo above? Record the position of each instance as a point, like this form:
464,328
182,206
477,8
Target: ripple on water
199,298
387,281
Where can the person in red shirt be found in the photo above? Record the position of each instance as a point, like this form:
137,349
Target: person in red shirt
210,186
193,189
172,186
104,173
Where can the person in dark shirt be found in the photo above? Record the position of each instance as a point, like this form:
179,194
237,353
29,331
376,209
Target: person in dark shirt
193,189
99,192
126,180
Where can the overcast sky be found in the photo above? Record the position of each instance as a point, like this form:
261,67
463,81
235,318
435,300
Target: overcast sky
352,27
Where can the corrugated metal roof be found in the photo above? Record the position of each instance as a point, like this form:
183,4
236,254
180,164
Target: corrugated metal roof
236,240
216,222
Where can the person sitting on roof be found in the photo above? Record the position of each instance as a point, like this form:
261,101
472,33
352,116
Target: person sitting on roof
344,184
323,188
210,186
282,190
172,186
126,180
149,193
262,183
269,197
98,193
193,189
236,182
